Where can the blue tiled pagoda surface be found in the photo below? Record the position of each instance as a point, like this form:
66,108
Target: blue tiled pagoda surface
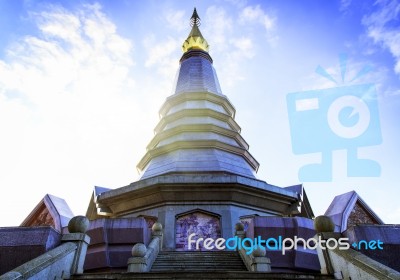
198,160
196,74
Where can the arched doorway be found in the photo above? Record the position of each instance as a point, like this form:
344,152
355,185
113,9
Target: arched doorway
202,223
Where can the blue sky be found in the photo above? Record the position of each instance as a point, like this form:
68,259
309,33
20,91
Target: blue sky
81,83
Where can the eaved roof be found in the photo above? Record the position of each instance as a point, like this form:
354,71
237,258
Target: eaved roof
343,205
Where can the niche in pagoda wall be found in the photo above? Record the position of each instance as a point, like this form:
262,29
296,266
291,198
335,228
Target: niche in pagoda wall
202,224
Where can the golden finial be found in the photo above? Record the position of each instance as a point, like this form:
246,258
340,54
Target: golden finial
195,40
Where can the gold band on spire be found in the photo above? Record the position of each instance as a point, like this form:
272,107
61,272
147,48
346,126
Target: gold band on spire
195,40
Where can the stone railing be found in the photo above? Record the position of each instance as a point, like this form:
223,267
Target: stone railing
350,264
60,262
347,264
143,257
256,261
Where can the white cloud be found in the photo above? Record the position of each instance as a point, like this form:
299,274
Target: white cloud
237,3
255,14
251,14
176,19
382,31
245,46
161,54
67,102
158,49
344,5
219,28
389,215
73,50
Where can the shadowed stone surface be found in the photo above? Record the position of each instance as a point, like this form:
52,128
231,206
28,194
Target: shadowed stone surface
112,241
300,259
20,244
388,234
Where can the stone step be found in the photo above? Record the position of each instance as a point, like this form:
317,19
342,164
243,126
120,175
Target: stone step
199,254
169,261
204,275
195,269
198,261
199,258
230,255
206,253
195,266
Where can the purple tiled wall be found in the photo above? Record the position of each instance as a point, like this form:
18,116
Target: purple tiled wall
112,241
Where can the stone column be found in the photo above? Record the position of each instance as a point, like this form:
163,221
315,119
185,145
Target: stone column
77,228
239,230
260,262
143,257
138,261
257,261
157,232
325,230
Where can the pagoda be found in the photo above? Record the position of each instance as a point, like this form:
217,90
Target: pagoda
197,167
197,180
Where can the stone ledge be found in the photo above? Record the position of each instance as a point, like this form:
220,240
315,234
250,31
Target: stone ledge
195,179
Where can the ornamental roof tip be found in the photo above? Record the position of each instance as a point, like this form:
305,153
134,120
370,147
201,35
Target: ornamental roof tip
195,40
195,19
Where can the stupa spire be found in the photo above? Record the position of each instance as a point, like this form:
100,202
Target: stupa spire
197,132
195,40
195,19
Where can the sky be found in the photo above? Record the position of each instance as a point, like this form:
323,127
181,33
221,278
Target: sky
81,83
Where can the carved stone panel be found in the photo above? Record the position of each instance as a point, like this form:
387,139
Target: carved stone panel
201,224
359,216
42,218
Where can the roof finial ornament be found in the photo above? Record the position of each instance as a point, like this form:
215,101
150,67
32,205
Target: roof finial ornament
195,19
195,41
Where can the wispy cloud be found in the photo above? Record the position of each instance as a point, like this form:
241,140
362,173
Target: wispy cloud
237,3
219,28
74,51
245,46
344,5
63,98
176,19
255,14
382,28
230,43
160,54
